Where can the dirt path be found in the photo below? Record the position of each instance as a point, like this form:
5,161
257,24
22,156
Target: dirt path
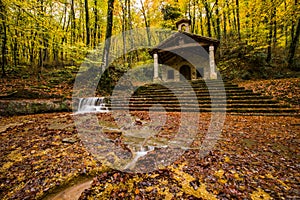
72,192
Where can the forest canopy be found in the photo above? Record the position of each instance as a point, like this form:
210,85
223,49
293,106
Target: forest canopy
45,33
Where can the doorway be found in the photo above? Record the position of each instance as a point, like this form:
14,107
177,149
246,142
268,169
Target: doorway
185,71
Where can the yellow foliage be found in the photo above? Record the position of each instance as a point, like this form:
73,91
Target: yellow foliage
219,173
260,194
223,181
184,179
227,159
6,166
14,156
237,176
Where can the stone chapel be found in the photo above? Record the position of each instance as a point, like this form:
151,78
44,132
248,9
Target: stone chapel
185,56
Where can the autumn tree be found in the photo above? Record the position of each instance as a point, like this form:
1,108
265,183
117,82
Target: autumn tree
4,36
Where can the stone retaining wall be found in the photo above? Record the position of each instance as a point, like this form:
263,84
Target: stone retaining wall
23,107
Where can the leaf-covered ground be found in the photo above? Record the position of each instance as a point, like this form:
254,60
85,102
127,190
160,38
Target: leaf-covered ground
256,158
33,157
53,84
285,90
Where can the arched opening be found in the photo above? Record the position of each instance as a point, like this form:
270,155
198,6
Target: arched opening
185,71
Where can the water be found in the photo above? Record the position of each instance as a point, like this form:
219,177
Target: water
138,154
92,104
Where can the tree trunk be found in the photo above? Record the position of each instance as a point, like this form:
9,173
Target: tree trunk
224,25
108,35
4,37
275,28
147,22
87,22
218,21
270,37
286,27
41,43
228,15
130,34
73,22
124,29
95,22
238,18
208,17
201,24
194,16
293,46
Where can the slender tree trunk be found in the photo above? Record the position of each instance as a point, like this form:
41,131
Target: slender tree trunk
218,21
224,25
108,35
130,34
147,22
286,27
124,29
270,36
15,42
201,24
81,33
275,28
87,22
41,43
64,18
32,44
15,49
293,46
194,16
105,56
73,24
228,15
95,22
4,37
208,17
234,21
238,18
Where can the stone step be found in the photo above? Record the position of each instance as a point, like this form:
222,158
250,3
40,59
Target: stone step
150,92
165,104
229,110
228,101
200,98
199,95
194,88
190,86
183,92
212,96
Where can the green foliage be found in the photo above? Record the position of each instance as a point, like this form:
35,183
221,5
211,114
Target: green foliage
170,13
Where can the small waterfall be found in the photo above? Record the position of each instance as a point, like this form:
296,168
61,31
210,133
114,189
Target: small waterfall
138,154
92,104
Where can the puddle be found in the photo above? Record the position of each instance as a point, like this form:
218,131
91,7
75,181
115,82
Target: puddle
72,192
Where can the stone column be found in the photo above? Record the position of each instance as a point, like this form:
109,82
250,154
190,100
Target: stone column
212,65
206,71
155,70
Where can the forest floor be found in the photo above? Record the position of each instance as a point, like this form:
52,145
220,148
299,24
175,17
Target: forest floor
256,157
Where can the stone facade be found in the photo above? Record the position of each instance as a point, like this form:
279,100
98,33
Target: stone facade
185,56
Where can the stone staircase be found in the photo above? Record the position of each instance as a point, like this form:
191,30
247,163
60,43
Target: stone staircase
212,95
